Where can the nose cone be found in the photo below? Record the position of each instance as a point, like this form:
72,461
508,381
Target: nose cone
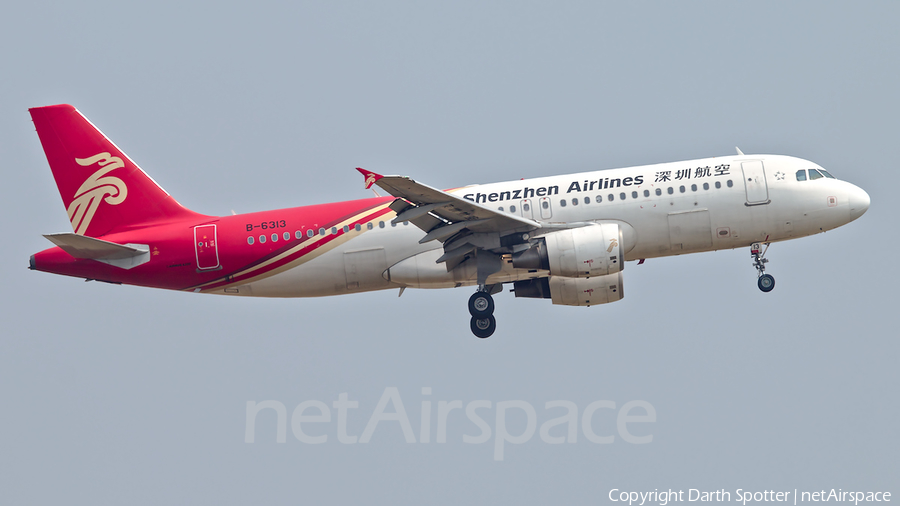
859,202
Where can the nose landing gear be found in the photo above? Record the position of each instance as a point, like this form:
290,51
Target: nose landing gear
765,282
481,307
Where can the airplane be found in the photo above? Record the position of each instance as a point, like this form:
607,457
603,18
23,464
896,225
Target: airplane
565,238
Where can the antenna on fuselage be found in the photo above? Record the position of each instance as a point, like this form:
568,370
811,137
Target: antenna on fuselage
741,153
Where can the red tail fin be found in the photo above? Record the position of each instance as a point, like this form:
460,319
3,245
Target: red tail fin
102,189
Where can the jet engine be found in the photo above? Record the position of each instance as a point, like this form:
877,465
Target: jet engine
573,291
590,251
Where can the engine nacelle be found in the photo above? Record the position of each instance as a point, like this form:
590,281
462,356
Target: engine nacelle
590,251
573,291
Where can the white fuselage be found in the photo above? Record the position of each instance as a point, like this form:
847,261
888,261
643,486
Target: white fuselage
665,209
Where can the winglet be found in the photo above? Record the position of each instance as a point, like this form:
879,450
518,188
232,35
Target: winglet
371,177
739,152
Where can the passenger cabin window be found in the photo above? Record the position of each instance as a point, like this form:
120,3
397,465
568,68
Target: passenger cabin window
250,240
718,184
562,203
512,209
610,197
646,193
622,196
587,200
814,174
634,195
671,190
500,208
574,202
706,186
658,192
599,199
310,233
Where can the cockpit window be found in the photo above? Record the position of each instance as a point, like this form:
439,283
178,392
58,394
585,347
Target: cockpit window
801,175
825,172
814,174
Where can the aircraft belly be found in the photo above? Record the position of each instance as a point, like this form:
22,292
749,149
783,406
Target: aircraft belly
355,266
422,271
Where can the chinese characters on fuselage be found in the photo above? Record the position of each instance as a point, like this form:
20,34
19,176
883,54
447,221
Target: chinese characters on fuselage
598,184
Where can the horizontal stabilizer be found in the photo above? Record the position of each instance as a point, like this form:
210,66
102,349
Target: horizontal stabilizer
125,256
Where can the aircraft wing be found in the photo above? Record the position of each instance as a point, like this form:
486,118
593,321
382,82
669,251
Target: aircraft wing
464,227
455,213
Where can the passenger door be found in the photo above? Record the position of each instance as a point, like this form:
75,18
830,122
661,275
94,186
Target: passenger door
206,247
755,183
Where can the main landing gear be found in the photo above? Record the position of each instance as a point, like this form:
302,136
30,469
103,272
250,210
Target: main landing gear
481,307
765,282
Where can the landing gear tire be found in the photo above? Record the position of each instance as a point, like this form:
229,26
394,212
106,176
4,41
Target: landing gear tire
481,305
483,327
766,282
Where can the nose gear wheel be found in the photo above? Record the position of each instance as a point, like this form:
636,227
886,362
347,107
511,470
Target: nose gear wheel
765,282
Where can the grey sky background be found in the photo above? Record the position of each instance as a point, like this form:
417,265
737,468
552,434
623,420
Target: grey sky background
123,395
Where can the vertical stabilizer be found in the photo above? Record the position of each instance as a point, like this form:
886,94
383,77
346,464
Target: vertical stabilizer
102,189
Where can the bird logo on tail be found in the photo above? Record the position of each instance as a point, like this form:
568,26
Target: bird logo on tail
88,196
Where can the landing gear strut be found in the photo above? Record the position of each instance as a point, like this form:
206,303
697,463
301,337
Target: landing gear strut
765,282
481,307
